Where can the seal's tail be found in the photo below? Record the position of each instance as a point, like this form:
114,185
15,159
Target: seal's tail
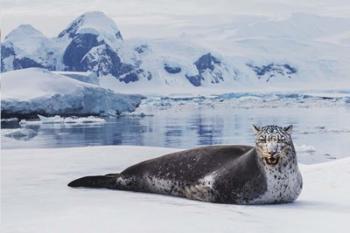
107,181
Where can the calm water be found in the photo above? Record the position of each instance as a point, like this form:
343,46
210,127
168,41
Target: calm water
321,133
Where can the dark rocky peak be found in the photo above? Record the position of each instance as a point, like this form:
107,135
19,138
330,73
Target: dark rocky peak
271,70
77,49
207,61
172,68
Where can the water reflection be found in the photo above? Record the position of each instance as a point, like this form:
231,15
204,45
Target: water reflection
325,129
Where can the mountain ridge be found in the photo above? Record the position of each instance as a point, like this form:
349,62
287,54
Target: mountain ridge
93,43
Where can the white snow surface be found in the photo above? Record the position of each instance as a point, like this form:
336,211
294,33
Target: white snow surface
35,198
35,90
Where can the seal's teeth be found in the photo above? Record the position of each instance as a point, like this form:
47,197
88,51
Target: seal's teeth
271,160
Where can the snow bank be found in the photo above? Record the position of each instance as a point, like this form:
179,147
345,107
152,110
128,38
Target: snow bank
35,198
33,91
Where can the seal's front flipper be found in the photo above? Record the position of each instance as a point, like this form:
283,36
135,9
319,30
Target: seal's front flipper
107,181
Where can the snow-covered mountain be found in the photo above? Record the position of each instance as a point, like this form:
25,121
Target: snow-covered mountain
94,23
27,47
90,34
89,43
93,43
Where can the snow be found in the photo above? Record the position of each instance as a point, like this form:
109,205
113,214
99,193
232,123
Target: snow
36,83
43,92
305,148
88,77
26,42
96,22
35,198
33,43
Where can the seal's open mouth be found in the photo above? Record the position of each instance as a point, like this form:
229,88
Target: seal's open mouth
271,160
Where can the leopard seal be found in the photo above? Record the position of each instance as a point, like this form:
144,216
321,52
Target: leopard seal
236,174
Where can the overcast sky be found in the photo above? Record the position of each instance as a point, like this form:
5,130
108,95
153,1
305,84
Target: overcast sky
134,17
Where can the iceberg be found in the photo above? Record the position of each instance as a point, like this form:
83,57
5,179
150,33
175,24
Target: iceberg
34,91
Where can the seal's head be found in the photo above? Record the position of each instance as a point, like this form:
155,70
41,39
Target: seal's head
272,142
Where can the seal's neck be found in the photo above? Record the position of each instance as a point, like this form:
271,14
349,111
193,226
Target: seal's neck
283,180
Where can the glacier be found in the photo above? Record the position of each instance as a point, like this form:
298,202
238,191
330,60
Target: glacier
29,92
